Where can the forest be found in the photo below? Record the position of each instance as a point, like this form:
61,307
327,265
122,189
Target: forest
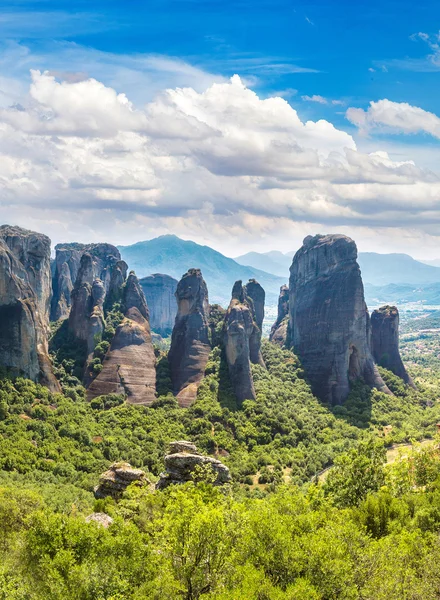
313,511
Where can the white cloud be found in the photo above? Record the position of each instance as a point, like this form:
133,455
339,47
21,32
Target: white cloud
398,117
80,161
315,98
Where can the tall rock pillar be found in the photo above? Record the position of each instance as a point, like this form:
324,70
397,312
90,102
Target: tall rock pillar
385,341
190,345
329,321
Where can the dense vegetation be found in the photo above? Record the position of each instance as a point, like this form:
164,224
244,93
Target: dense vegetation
281,531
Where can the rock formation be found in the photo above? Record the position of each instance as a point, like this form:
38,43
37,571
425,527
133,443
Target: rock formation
129,365
329,321
102,519
238,330
278,333
385,341
254,296
182,463
160,293
65,271
117,478
86,319
25,291
190,345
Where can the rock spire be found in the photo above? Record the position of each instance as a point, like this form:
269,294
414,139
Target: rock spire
329,321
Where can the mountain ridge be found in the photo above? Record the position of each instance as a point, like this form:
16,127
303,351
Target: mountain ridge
174,256
377,269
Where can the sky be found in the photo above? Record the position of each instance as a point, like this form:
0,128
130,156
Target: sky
241,125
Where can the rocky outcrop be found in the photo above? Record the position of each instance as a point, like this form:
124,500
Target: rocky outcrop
278,333
184,463
129,365
254,297
65,271
86,319
190,345
101,518
160,293
238,330
25,290
119,476
385,341
329,322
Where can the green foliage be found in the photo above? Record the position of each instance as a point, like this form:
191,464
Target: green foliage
356,474
370,530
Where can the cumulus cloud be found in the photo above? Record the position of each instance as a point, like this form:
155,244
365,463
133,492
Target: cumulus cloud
399,117
80,161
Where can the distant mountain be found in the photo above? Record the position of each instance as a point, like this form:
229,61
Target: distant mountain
174,256
273,262
382,269
434,263
377,269
401,294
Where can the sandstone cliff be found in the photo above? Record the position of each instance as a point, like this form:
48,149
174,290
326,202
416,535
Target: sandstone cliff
190,345
385,341
129,365
160,293
25,291
278,333
66,267
238,330
329,321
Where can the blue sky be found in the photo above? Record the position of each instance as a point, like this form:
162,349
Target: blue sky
335,43
326,59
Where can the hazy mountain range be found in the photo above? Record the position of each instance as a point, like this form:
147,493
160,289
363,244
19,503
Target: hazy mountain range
377,269
173,256
388,278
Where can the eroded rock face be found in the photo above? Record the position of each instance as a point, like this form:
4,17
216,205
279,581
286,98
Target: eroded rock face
119,476
254,297
86,319
385,341
65,271
129,365
190,345
329,321
238,331
182,462
278,333
25,290
160,293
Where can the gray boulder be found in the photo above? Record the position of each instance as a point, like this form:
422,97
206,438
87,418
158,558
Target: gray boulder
117,478
182,465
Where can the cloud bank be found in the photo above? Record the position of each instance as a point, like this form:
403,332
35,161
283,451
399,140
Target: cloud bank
80,161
